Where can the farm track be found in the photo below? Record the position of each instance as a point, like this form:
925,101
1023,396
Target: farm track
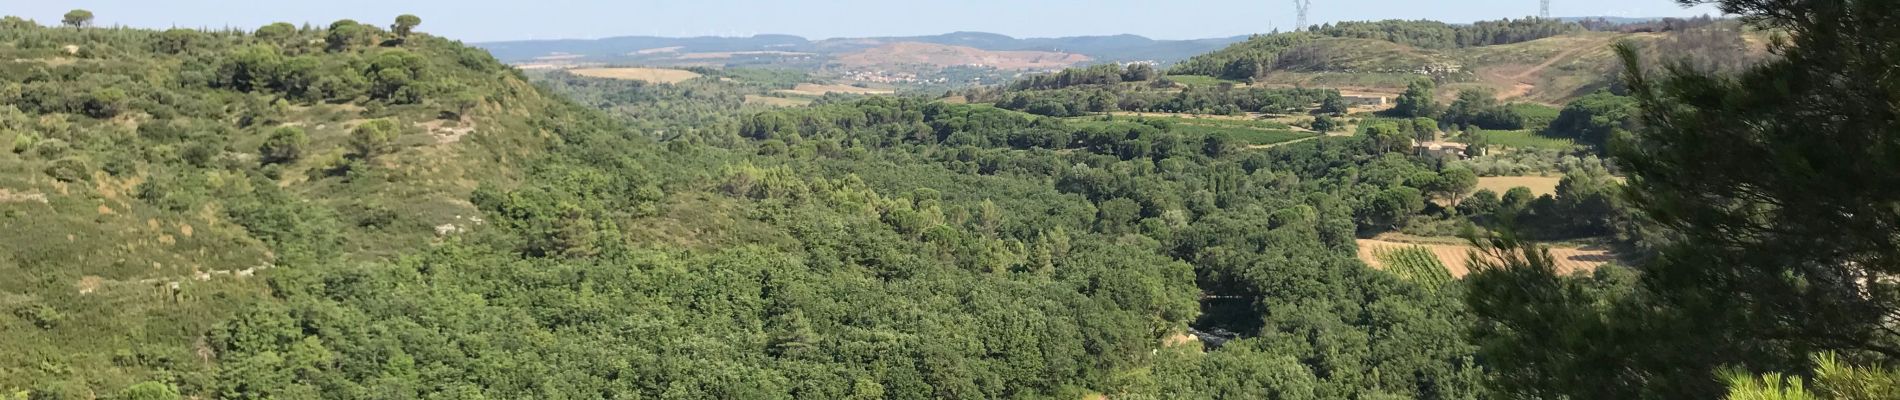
1521,87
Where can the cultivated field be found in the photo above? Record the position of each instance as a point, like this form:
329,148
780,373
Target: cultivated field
1457,257
1539,185
1525,138
655,75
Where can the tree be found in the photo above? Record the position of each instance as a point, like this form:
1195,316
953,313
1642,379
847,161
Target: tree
346,33
176,40
1595,119
1387,209
1484,202
1325,123
1387,137
1454,182
1417,101
277,33
1334,104
285,145
1139,73
1516,200
149,390
465,102
373,138
1424,129
1784,195
1776,184
405,24
77,19
1476,108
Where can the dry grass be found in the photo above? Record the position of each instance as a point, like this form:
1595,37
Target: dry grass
655,75
813,89
1539,185
1458,257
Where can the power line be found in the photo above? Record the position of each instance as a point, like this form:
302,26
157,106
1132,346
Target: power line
1303,6
1545,11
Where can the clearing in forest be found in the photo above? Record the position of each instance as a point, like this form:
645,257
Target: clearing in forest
813,89
1539,185
655,75
1457,257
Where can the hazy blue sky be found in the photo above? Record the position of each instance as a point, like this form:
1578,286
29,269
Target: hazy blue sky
489,20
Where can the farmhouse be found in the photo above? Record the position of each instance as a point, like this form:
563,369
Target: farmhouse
1365,101
1442,149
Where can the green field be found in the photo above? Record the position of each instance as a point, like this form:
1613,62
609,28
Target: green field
1199,80
1215,122
1249,136
1525,138
1536,116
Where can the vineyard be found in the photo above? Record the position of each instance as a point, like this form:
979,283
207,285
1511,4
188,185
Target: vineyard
1416,264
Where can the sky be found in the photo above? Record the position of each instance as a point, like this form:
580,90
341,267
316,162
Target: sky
495,20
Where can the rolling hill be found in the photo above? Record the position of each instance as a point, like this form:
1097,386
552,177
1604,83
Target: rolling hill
939,55
641,49
1549,66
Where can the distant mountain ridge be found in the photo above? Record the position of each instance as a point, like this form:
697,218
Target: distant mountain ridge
1115,48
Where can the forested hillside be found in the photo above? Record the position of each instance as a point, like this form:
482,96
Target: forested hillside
150,177
352,212
358,212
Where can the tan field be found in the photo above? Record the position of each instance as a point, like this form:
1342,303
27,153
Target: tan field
813,89
1539,185
1457,257
655,75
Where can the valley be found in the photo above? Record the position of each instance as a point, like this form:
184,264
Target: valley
1516,208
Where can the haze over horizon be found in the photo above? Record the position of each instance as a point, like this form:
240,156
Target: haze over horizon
486,21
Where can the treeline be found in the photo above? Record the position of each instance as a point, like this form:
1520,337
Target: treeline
1244,60
1106,74
1440,35
1660,25
1217,100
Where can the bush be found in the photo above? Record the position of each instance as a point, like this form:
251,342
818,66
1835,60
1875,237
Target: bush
149,390
40,315
285,145
69,170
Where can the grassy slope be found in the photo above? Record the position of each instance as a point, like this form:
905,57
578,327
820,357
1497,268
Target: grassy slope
1550,71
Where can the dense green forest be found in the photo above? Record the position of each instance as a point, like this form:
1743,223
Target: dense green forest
354,211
